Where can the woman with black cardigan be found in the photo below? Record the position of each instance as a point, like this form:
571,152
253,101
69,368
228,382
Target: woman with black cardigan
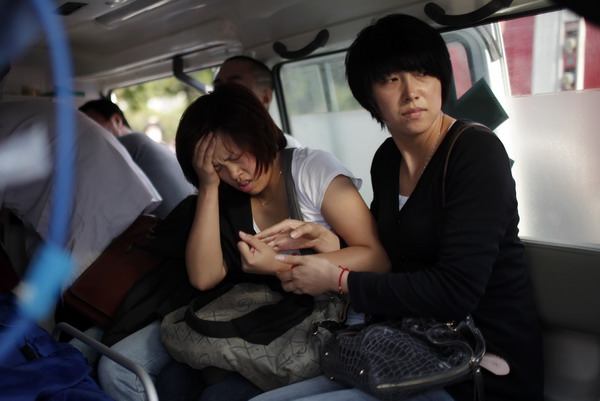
450,232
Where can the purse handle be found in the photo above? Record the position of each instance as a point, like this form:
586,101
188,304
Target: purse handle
478,339
287,155
453,140
260,326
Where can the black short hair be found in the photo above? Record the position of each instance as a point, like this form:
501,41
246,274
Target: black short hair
395,43
105,108
262,74
235,112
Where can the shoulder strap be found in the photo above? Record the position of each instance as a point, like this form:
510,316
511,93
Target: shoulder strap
290,189
453,140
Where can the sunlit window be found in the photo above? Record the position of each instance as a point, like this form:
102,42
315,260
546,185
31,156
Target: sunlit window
155,107
535,66
533,80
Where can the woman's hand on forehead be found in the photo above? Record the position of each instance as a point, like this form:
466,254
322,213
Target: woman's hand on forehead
203,161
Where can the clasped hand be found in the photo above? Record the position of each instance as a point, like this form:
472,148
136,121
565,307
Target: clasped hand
292,234
257,257
298,274
308,274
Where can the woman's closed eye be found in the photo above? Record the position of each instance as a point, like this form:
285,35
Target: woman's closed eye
231,159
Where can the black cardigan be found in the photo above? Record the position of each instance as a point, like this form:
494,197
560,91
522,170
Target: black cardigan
460,258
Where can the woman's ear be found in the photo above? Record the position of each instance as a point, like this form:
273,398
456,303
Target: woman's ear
265,97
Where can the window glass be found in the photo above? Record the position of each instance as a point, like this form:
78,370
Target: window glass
460,67
155,107
551,76
543,72
323,114
551,52
317,86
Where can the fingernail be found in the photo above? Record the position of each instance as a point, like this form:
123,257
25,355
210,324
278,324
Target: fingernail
280,258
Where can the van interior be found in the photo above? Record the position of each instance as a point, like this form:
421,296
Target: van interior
529,69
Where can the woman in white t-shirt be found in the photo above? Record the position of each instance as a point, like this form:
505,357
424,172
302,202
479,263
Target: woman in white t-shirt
230,149
226,138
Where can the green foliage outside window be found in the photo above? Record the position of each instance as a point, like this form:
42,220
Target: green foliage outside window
159,103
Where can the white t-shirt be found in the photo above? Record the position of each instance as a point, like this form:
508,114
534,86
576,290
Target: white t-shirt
110,190
292,142
313,170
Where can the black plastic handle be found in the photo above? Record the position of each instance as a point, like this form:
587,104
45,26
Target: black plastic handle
319,41
438,14
186,79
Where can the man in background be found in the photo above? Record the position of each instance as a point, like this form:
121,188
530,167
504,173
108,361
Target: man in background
156,160
109,190
255,76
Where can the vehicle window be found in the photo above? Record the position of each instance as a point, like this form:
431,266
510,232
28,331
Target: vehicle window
323,114
543,72
155,107
535,67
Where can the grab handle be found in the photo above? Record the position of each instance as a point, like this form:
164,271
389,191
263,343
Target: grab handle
319,41
438,14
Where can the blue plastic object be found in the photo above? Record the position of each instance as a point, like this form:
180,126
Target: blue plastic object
51,266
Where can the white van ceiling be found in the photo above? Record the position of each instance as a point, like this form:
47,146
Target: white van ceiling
108,36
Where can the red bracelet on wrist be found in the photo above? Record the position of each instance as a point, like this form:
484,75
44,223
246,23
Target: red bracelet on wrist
340,279
294,254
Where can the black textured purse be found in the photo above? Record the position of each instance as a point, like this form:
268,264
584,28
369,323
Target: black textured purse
396,359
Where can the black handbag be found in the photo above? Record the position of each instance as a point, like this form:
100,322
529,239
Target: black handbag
396,359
